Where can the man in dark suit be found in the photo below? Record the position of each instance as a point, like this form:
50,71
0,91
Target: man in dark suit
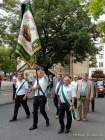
57,82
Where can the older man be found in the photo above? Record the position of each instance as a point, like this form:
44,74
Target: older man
74,82
66,97
84,95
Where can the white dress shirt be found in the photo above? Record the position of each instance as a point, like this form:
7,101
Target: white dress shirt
43,82
69,92
23,89
74,84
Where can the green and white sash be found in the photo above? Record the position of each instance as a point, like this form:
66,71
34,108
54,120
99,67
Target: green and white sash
42,91
64,96
67,102
20,86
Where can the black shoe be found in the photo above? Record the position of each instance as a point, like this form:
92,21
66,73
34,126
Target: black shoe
60,131
12,120
32,128
47,123
67,131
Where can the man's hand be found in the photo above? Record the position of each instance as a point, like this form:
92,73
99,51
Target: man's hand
36,87
71,108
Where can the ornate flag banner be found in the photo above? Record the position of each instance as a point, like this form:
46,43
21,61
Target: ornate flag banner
28,40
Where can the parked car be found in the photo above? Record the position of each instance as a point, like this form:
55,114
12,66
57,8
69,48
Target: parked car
100,88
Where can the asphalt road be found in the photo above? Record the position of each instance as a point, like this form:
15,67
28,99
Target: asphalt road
93,129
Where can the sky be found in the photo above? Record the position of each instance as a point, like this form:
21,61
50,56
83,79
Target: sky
3,12
1,1
102,18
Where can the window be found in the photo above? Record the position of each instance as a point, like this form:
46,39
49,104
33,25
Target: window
101,56
100,64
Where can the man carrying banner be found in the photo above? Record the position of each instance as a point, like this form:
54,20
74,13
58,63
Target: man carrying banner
66,96
40,98
21,97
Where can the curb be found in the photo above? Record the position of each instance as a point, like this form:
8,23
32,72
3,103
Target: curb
7,103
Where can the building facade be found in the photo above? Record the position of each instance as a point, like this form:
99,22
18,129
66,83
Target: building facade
100,58
77,69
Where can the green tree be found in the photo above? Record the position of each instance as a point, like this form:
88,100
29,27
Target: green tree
9,28
92,61
63,26
96,9
7,61
9,24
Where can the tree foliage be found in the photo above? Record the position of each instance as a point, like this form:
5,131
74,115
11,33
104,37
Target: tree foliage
92,61
9,23
63,26
97,8
9,28
7,62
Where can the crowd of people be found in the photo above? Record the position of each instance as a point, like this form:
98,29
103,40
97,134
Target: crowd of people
71,97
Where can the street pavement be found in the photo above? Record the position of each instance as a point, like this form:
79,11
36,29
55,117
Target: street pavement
93,129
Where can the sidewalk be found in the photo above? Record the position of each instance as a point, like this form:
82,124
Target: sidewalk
5,98
6,93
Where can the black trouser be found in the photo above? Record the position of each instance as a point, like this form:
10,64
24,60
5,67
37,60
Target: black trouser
65,107
75,103
93,104
39,101
18,101
14,91
0,84
56,104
